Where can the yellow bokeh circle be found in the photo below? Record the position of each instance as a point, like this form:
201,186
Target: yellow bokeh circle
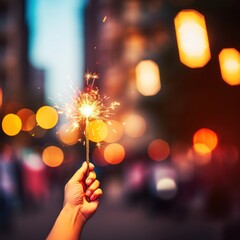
97,130
11,124
47,117
52,156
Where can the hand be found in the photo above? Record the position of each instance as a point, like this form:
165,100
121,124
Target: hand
83,191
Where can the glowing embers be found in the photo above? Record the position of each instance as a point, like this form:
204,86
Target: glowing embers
11,124
47,117
148,78
229,60
158,150
205,141
192,38
52,156
28,119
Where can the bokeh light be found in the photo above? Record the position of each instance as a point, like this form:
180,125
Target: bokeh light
158,150
148,78
47,117
114,153
229,60
192,38
134,125
97,130
52,156
67,135
11,124
115,131
166,188
28,119
205,140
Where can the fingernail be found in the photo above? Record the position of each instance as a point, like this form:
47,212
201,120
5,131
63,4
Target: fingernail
88,193
88,181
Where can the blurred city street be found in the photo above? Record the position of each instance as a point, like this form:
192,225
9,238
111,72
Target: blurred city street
147,91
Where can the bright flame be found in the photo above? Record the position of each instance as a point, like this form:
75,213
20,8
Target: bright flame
229,59
192,38
87,110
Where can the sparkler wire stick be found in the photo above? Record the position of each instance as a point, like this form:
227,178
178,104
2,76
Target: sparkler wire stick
87,145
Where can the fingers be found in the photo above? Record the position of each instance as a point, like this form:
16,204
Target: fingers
96,194
81,172
93,191
91,178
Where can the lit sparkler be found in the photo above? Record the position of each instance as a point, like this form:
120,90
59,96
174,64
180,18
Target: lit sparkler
85,106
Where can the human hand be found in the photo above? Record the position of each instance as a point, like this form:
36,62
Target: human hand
83,191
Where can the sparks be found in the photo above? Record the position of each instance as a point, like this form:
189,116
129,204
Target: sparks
87,104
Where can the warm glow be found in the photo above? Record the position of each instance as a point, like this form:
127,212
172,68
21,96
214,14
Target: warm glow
28,119
47,117
52,156
158,150
148,78
97,130
87,110
67,136
11,124
229,59
205,140
192,38
115,131
114,153
135,126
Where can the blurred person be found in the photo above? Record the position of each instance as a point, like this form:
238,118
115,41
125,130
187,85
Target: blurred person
81,200
8,186
36,186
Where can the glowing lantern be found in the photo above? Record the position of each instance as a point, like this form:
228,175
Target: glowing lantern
114,153
205,140
192,38
52,156
47,117
11,124
28,119
229,59
67,135
135,126
158,150
115,131
97,130
148,78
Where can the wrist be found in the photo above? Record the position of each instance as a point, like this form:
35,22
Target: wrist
75,212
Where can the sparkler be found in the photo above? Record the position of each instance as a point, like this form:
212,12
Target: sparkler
85,106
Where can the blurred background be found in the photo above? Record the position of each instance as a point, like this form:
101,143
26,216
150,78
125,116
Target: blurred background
168,159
